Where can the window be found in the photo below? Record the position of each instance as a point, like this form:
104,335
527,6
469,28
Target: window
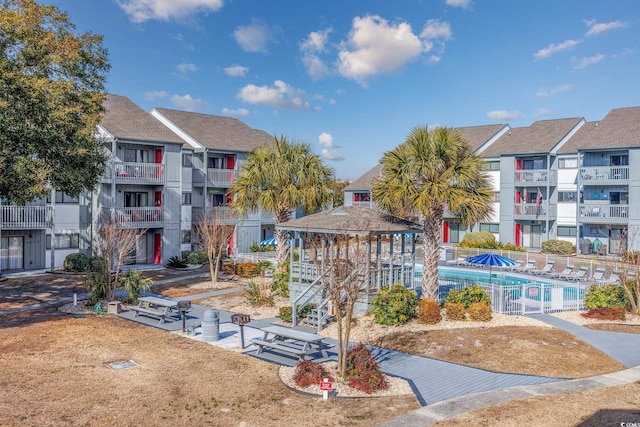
492,165
568,163
215,163
136,155
186,199
63,198
64,241
135,200
619,160
566,231
187,160
491,228
566,196
186,236
361,197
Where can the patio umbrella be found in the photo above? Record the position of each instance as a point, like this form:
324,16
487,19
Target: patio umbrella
491,260
271,241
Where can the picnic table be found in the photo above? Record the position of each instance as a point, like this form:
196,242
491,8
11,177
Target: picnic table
156,307
292,341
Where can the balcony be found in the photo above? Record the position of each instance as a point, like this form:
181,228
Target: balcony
220,177
138,173
150,217
592,213
598,175
25,217
531,210
367,204
540,177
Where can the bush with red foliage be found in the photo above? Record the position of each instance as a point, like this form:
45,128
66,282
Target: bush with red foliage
606,313
309,373
362,371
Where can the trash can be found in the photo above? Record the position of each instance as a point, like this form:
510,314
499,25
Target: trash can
585,246
211,325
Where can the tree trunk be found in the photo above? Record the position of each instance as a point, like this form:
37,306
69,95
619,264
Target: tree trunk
431,249
283,214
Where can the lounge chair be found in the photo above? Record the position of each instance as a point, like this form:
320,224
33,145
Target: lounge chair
598,276
564,273
579,275
515,266
530,265
461,261
547,269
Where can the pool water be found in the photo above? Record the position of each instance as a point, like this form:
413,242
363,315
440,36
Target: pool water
472,276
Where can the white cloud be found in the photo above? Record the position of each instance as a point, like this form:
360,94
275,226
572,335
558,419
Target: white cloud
331,155
187,102
316,67
316,41
554,91
325,140
504,115
599,28
314,44
458,3
435,29
188,46
165,10
590,60
253,38
185,68
542,112
376,47
155,94
555,48
236,71
279,95
238,112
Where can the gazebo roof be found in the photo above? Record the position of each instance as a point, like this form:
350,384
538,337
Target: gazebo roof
351,220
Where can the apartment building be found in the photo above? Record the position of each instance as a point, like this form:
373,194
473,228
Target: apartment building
564,179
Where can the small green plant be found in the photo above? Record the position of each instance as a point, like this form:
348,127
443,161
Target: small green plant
511,247
176,262
134,282
395,305
480,312
455,311
95,263
196,257
559,247
468,295
286,312
309,373
259,294
256,247
606,313
609,295
98,287
429,312
479,239
75,262
362,370
280,284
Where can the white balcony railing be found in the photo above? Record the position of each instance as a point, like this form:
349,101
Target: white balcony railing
138,173
535,177
367,204
149,217
531,209
220,177
604,213
604,173
25,217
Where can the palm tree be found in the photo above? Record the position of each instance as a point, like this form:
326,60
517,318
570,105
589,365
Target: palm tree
431,172
280,177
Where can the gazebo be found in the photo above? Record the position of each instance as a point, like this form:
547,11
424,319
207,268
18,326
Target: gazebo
378,249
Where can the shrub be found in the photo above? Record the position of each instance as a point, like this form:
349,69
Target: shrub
631,257
286,313
468,295
75,262
259,294
455,311
176,262
98,287
511,247
609,295
559,247
480,312
134,282
606,313
95,263
309,373
362,370
280,284
395,305
228,268
429,312
197,257
248,269
256,247
479,239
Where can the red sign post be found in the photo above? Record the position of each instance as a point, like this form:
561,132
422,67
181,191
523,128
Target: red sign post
326,386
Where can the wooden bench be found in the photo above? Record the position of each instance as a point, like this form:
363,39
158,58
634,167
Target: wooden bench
154,312
280,346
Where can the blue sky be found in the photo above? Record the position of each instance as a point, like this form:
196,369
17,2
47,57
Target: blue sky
352,78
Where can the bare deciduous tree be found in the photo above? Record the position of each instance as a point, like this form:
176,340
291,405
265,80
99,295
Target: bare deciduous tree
344,264
115,246
214,236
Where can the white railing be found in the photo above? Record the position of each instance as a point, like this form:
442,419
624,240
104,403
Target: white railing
604,213
534,176
25,217
368,204
531,209
149,217
604,173
138,173
220,177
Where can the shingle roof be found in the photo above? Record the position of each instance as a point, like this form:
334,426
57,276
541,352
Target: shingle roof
125,120
580,139
478,135
223,133
365,182
619,129
540,137
351,220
